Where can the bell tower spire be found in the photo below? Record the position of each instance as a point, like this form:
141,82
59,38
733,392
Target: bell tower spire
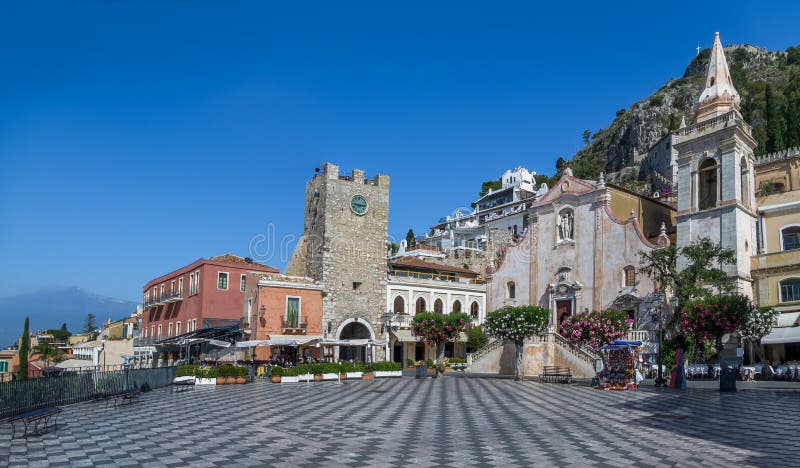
719,96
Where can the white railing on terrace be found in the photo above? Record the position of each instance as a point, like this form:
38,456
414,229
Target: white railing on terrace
491,346
638,335
715,122
583,353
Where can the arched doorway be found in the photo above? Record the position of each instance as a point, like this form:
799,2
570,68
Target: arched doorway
354,331
474,310
421,306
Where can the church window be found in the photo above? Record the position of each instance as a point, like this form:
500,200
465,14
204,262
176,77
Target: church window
399,305
438,306
707,177
791,238
630,276
511,290
420,305
790,290
456,307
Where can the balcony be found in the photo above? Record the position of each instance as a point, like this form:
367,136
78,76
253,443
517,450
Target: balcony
293,327
173,296
401,320
434,278
767,261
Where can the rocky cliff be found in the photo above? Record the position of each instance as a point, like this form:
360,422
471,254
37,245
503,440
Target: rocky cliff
768,82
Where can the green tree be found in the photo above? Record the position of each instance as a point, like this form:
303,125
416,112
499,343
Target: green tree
89,325
48,352
701,277
438,329
393,248
476,339
516,324
24,352
490,185
60,334
587,136
708,319
411,239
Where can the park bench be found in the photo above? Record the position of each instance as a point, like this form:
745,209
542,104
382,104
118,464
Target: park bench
34,420
458,366
556,374
127,397
180,384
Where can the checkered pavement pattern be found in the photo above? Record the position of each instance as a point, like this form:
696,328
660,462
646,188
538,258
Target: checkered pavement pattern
451,421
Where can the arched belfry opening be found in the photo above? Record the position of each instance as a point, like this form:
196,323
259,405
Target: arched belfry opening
707,185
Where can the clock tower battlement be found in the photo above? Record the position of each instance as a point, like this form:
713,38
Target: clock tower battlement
346,227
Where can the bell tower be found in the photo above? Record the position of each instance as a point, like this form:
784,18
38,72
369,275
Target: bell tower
715,172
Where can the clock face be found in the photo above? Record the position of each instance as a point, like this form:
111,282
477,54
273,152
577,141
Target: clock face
358,204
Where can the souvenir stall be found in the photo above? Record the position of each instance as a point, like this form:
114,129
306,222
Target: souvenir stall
620,366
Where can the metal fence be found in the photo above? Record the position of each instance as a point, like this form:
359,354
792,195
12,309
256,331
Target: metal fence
20,396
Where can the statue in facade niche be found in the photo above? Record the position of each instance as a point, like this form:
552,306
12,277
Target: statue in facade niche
565,225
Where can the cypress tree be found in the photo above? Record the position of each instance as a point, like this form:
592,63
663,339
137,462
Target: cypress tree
24,351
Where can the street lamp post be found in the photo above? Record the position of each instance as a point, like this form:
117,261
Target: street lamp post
655,307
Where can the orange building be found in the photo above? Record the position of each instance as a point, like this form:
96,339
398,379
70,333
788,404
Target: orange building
287,311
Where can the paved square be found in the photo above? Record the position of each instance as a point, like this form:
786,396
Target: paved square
452,421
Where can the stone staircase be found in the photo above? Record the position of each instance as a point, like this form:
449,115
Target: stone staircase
550,349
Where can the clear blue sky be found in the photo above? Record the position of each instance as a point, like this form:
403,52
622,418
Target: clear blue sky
136,137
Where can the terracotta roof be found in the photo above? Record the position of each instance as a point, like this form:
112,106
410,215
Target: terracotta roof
416,263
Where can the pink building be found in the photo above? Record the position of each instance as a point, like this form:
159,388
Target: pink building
205,290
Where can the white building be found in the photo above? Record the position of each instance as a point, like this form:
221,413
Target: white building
505,209
415,285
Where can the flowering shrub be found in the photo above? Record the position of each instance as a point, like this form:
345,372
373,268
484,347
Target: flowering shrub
595,329
517,323
712,318
437,328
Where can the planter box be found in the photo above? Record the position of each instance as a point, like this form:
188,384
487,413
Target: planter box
306,377
290,379
330,376
211,381
354,375
394,373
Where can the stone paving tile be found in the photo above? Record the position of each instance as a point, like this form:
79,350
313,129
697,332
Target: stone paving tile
451,421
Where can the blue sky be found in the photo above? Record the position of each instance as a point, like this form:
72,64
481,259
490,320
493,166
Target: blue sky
136,137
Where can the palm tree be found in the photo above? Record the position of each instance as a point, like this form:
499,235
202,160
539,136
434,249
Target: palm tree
47,352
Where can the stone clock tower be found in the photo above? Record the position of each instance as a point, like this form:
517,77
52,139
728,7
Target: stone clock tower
716,173
344,248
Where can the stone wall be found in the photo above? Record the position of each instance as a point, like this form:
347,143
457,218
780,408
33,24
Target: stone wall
345,251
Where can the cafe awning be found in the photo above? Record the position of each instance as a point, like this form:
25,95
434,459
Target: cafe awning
281,340
782,335
404,336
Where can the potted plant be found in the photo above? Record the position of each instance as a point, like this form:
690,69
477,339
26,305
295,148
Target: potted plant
206,376
410,363
241,374
277,373
329,371
290,375
387,369
352,370
226,374
303,372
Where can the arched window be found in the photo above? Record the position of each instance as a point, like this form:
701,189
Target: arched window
630,275
745,181
420,305
474,309
790,238
399,305
456,306
438,306
790,290
511,290
707,177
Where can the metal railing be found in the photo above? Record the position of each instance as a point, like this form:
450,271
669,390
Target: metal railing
436,277
20,396
292,325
